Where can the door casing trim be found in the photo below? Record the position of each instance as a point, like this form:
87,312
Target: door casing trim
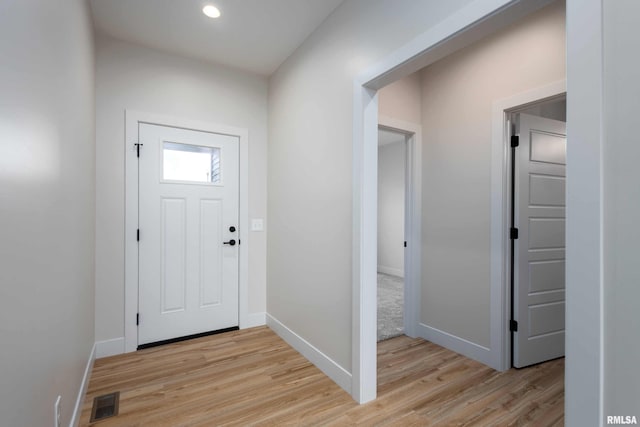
132,120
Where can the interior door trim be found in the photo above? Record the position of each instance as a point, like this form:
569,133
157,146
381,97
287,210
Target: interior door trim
132,121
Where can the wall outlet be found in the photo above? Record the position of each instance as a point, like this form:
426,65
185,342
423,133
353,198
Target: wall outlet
56,410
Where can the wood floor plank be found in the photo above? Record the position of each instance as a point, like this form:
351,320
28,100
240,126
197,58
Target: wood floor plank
252,377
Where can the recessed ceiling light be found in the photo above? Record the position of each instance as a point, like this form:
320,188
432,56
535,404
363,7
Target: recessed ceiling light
211,11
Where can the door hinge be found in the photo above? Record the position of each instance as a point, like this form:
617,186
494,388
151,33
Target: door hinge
513,233
405,244
138,235
515,141
138,145
513,326
137,319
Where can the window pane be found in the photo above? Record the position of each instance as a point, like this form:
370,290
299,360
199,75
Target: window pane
194,163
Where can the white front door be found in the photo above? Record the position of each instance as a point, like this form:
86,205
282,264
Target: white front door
188,232
539,257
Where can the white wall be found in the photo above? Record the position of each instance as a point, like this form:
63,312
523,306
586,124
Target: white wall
402,99
310,164
146,80
391,207
47,207
621,154
458,93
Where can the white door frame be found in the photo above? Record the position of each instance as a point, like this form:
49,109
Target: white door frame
132,120
413,220
469,24
500,202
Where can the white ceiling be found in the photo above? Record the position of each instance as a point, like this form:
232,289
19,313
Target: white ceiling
253,35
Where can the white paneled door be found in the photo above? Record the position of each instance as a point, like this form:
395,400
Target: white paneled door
188,241
539,257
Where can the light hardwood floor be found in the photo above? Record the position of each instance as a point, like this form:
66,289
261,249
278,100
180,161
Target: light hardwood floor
252,377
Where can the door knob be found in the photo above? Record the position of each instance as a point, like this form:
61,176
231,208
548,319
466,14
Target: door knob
230,243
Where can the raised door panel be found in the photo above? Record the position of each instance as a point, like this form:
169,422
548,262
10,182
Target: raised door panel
539,264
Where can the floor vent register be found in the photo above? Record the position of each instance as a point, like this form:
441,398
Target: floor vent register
105,406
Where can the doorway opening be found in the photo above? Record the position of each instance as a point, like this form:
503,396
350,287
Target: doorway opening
398,226
398,249
475,320
392,158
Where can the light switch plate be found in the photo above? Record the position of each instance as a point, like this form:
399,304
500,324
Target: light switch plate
257,224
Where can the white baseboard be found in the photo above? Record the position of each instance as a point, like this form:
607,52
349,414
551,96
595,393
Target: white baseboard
330,368
77,410
457,344
255,319
391,271
110,347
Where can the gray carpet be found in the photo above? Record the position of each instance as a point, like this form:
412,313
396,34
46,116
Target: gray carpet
390,306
